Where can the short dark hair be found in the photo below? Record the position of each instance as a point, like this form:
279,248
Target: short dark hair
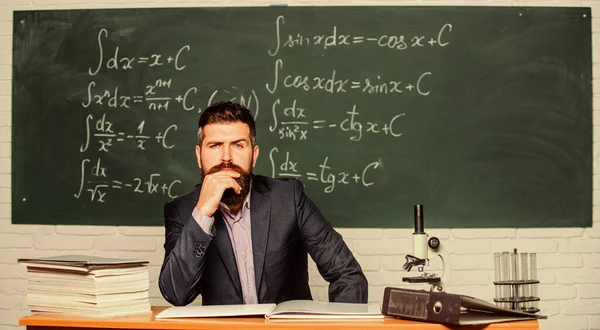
226,112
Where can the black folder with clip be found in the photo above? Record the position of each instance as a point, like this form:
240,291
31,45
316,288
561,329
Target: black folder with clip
447,308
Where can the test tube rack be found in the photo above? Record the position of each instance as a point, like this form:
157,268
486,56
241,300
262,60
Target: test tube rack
516,281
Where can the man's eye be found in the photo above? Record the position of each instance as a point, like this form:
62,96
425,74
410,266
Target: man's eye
239,145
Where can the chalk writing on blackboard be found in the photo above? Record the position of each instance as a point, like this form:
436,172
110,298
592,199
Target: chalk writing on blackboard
337,39
95,182
337,83
118,62
289,121
293,123
324,174
107,136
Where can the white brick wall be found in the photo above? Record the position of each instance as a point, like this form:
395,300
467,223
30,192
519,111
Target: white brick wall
568,258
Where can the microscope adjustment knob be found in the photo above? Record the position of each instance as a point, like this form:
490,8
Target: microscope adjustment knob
434,243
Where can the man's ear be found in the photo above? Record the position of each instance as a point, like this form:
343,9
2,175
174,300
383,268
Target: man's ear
254,156
198,156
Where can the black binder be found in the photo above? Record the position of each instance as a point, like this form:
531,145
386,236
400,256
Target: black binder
446,308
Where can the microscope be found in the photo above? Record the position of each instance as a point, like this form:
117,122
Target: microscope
423,246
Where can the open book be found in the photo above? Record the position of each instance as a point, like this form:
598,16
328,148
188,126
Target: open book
293,309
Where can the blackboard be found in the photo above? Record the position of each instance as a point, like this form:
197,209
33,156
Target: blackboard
481,114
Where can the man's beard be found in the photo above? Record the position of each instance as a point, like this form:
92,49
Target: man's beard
230,197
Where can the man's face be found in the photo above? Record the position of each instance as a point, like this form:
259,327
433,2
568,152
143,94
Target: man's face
227,147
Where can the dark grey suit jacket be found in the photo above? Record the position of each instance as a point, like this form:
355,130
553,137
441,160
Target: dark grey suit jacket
285,225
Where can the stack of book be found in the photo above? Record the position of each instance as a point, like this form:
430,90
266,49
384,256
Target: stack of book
87,286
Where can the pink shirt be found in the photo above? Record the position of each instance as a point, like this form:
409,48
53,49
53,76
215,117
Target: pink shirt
240,233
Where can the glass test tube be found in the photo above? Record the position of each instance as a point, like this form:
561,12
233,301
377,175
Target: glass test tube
525,276
514,277
504,262
498,277
533,272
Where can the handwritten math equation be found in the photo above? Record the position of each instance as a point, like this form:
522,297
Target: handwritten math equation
113,98
291,123
118,61
95,183
336,39
323,174
334,84
106,135
158,96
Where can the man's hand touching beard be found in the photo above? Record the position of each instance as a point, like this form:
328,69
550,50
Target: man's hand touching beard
230,197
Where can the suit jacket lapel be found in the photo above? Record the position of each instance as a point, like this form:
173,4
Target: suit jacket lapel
223,244
260,214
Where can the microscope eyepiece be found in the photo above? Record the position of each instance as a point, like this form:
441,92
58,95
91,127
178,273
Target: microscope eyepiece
419,229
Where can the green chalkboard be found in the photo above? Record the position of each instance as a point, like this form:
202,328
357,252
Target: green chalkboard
482,114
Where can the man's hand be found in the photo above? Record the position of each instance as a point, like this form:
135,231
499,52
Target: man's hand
213,186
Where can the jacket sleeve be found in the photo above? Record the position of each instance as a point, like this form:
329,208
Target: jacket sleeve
334,260
185,250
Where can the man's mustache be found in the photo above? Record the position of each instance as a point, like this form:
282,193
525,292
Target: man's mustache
225,165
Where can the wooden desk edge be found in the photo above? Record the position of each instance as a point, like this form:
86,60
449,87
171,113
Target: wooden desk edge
43,321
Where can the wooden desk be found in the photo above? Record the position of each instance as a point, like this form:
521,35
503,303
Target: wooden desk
147,321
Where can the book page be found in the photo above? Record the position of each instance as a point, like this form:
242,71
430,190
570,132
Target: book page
215,311
319,309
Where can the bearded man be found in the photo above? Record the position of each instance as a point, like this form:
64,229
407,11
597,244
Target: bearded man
239,238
